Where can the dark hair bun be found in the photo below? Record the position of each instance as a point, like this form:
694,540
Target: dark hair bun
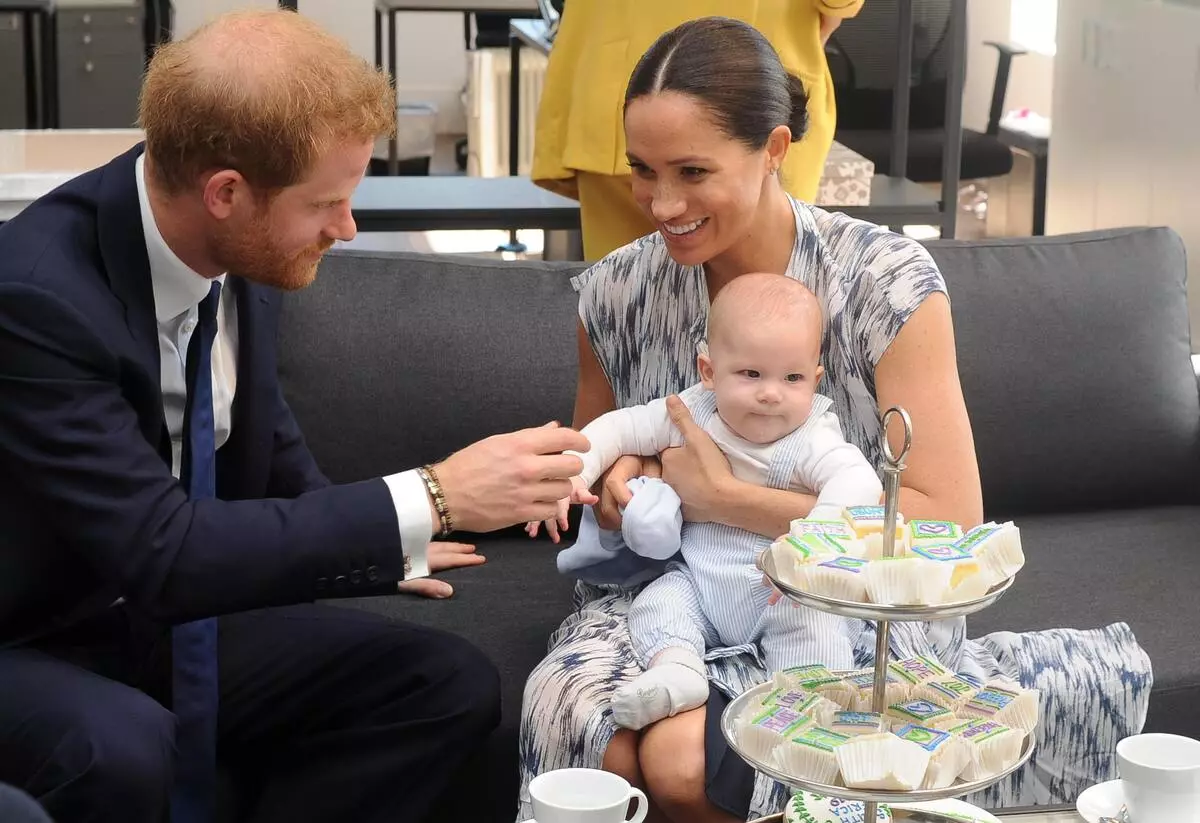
798,122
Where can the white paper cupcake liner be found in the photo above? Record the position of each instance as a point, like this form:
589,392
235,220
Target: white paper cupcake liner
811,755
882,761
907,581
1013,706
842,578
993,748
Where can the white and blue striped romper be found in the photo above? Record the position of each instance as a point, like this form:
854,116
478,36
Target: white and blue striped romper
715,599
645,314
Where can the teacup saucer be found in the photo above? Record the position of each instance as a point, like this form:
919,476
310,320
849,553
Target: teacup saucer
1101,800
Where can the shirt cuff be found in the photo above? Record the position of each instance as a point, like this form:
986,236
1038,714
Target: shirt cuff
411,499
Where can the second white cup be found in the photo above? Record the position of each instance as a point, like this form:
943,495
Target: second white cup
1160,777
584,796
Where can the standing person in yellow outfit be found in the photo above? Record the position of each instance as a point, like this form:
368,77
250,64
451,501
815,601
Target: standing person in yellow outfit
579,144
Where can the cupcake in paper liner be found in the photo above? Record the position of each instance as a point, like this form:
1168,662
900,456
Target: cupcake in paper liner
816,678
806,807
967,580
863,683
791,554
853,724
840,578
837,530
921,713
761,734
867,524
920,533
993,748
907,581
953,692
811,754
1014,707
915,671
998,549
817,709
882,761
948,755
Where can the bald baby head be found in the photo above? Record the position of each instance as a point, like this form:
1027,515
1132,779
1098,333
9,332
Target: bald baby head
262,92
770,301
763,358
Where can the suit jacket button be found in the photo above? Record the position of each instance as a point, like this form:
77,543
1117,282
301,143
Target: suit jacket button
372,573
322,583
340,580
356,577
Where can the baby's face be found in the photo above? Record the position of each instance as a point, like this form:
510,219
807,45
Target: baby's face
764,378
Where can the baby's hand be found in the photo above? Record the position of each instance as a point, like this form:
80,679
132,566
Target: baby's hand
554,525
581,493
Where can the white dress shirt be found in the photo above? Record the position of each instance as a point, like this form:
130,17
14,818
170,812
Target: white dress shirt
177,294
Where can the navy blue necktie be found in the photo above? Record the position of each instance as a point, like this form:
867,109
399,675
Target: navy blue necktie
194,645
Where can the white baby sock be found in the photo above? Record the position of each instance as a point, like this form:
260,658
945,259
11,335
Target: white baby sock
674,683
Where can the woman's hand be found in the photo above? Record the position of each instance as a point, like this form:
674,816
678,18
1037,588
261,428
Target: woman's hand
698,471
829,25
613,488
442,556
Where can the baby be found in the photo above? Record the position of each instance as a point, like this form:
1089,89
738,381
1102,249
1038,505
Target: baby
757,400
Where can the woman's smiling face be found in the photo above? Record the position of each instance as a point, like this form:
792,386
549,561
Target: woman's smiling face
700,187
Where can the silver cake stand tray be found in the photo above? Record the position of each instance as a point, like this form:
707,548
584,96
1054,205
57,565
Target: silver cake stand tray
875,611
956,789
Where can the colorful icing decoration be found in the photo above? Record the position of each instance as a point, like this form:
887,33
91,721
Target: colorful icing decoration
917,670
921,712
781,720
943,552
812,546
853,723
928,739
920,531
845,563
814,808
835,529
816,737
955,689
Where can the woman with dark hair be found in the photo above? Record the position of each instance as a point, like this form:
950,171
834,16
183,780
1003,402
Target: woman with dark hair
579,147
709,115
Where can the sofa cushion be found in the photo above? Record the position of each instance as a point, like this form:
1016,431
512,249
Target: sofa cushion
1137,566
507,608
1074,353
390,361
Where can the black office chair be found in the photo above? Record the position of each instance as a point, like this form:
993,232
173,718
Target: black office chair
862,61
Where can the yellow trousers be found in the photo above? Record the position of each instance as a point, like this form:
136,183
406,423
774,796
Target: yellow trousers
610,216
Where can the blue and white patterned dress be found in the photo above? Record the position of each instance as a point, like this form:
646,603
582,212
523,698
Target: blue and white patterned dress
645,314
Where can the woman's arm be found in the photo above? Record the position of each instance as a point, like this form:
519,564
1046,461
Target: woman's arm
700,475
919,372
593,394
594,397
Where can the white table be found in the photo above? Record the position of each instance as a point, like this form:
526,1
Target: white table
19,190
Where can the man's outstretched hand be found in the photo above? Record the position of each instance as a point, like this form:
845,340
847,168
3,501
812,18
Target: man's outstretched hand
511,478
442,556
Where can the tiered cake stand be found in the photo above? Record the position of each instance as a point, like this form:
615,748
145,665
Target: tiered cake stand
883,616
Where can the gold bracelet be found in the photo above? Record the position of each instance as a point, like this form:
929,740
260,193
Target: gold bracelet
446,520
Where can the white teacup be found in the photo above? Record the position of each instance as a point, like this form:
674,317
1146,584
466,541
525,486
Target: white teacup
1160,777
584,796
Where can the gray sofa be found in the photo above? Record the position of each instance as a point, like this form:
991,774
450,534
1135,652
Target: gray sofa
1075,361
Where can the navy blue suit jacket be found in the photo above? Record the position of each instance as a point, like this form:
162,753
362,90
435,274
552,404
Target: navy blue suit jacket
89,510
